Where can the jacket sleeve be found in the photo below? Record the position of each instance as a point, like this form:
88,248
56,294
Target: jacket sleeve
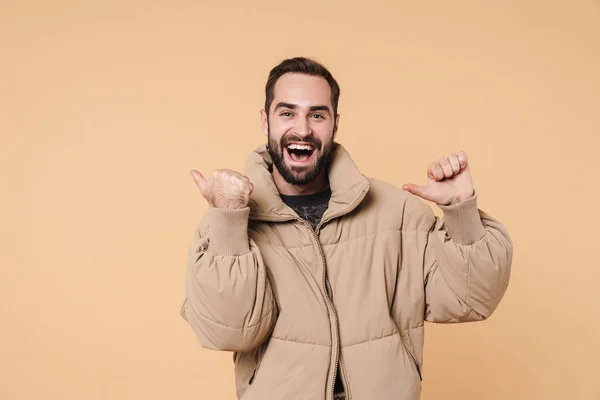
228,298
467,263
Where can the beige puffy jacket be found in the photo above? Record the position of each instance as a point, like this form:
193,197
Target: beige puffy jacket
291,302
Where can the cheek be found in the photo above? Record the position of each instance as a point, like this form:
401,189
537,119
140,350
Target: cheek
324,132
275,136
278,129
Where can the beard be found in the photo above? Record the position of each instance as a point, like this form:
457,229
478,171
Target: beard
299,175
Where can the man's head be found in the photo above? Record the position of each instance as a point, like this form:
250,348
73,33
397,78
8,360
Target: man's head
300,118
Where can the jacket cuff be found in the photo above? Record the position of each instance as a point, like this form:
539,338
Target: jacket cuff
463,222
228,231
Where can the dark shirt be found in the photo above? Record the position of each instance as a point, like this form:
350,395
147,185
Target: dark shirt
311,207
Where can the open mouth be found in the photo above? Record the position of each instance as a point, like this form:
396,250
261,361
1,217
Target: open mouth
300,154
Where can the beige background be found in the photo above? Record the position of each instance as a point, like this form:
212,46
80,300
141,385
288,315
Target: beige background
106,105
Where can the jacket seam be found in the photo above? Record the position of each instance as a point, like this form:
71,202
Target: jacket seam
350,345
235,327
402,231
372,340
411,327
299,342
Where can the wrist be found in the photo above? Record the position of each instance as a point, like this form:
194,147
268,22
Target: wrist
460,197
226,204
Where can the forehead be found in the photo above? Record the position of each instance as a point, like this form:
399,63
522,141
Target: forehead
303,90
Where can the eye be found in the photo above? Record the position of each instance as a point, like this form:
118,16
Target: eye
318,116
286,114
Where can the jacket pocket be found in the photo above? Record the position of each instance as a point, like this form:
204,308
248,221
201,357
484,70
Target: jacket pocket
260,355
413,358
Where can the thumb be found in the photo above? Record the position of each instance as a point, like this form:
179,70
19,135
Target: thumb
416,190
199,179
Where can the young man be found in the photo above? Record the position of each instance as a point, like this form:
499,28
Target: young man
318,278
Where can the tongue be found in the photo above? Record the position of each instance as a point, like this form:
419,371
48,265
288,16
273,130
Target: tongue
299,156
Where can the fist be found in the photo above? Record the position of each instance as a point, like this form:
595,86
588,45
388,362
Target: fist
224,188
448,181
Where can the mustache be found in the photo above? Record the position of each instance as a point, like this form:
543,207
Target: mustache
312,140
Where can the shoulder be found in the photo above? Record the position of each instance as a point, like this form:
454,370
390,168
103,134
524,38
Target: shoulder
410,211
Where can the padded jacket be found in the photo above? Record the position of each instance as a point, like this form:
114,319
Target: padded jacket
291,301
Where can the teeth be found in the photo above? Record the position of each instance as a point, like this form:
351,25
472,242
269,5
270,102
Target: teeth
299,147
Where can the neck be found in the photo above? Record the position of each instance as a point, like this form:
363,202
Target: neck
286,188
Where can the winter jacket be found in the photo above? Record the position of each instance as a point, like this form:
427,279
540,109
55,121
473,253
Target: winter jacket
291,301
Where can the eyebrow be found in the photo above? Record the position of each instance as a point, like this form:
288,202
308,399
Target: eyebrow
295,106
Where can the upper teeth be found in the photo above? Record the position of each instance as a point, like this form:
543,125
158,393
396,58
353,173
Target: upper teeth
299,147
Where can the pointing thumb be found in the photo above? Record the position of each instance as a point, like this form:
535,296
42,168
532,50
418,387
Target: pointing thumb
416,190
199,179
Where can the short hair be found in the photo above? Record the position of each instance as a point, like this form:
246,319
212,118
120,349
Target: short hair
301,65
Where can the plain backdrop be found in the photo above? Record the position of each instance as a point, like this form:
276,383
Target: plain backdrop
106,105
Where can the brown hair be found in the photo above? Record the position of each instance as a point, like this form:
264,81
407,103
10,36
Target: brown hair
301,65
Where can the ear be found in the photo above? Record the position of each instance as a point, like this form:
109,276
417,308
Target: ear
337,125
264,122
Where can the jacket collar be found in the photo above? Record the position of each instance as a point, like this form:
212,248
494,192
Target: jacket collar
348,185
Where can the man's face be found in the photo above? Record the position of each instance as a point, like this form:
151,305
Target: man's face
300,127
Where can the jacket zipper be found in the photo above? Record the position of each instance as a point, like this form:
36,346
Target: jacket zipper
328,293
335,346
326,287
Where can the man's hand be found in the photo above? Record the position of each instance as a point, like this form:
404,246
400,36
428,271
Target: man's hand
448,181
224,188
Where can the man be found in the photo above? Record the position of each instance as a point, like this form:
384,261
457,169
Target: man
318,278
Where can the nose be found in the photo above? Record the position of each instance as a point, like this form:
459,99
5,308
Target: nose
301,127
